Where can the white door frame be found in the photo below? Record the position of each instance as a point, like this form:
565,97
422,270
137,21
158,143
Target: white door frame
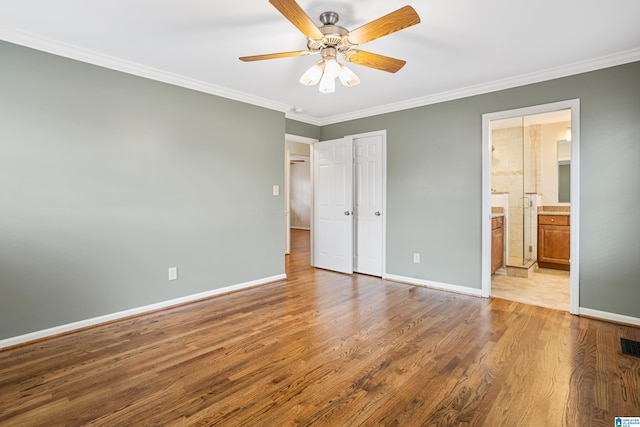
287,186
287,200
574,104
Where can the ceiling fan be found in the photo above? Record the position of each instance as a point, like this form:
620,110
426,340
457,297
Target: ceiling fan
330,40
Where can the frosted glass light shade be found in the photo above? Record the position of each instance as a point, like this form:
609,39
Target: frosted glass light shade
312,75
331,67
347,77
327,83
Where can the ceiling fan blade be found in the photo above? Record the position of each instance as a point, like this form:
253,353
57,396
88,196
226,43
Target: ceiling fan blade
294,13
373,60
395,21
274,55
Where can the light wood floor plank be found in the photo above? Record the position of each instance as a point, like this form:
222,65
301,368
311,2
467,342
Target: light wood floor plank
323,348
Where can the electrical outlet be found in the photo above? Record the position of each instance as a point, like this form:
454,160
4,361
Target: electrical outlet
416,258
173,273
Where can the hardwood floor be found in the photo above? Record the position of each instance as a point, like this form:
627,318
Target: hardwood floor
328,349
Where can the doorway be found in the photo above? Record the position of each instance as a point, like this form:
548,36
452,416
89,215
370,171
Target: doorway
524,155
298,188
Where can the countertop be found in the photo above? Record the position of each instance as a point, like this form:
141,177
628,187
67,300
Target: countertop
554,213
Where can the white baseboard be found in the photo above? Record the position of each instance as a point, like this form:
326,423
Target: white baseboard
436,285
69,327
300,228
613,317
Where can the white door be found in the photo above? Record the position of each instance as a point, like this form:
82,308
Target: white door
333,205
368,203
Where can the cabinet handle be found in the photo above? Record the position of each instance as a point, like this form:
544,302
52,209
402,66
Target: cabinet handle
553,219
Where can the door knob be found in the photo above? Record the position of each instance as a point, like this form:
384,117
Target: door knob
377,213
347,213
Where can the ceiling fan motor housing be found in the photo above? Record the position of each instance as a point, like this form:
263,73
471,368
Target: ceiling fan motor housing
329,18
334,35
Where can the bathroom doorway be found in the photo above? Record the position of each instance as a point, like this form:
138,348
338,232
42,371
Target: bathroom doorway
530,226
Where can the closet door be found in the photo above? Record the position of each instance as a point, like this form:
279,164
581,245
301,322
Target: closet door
333,205
368,203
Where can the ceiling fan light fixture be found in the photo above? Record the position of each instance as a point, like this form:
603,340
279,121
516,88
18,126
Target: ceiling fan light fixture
331,67
327,84
347,77
325,72
313,75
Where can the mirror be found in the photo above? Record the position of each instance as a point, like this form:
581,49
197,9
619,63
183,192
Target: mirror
564,171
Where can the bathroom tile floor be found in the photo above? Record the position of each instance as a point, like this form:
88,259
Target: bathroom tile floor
546,288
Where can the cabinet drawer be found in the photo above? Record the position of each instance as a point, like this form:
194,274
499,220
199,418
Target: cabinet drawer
496,222
553,219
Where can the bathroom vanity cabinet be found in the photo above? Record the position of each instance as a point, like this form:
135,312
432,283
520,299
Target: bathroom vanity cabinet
497,243
554,237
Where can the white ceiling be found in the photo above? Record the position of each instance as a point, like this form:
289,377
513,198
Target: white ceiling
461,47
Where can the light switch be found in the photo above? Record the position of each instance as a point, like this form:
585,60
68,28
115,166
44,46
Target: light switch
276,190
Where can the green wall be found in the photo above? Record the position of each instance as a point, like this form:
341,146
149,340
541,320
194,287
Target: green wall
294,127
107,180
434,183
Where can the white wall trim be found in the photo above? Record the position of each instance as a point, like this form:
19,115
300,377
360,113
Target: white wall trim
34,41
70,327
613,317
300,139
287,199
607,61
96,58
435,285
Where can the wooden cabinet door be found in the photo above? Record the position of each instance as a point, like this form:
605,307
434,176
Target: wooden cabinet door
554,244
497,248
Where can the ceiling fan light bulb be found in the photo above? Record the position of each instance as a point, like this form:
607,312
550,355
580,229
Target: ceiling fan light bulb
327,84
312,76
348,77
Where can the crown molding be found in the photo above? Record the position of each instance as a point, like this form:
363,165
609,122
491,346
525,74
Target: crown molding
305,118
95,58
607,61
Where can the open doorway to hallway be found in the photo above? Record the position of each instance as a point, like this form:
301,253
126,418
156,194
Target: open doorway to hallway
298,185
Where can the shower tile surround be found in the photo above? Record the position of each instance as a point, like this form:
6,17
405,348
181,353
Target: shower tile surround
508,173
511,177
